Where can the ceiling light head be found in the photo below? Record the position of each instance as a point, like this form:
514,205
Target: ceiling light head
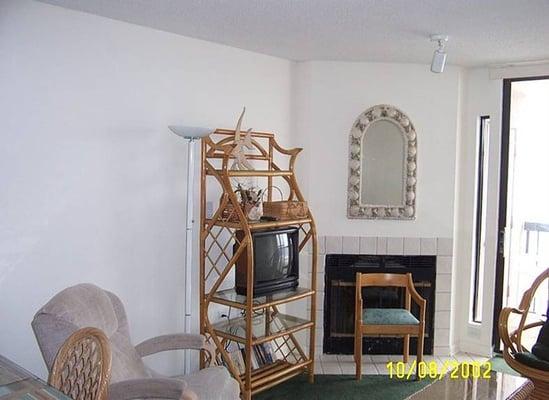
439,56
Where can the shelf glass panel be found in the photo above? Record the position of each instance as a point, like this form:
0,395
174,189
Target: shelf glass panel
236,327
283,296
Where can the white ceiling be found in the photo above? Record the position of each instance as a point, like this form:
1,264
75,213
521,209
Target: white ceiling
482,32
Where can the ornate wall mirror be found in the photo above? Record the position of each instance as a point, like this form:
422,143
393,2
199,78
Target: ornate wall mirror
382,165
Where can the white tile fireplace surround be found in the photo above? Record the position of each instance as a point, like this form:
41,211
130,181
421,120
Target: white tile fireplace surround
442,248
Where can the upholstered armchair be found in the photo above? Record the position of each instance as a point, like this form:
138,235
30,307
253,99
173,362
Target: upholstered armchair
86,305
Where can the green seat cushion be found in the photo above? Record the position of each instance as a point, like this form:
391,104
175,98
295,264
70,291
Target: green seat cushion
388,316
531,360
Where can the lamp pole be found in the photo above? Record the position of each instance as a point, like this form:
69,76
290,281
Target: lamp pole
191,134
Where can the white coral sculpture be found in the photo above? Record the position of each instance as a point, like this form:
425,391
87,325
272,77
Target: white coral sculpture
239,152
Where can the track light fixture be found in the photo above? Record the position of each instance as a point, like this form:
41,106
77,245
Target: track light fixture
439,56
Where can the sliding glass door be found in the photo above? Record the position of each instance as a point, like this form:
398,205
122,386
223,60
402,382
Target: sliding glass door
523,251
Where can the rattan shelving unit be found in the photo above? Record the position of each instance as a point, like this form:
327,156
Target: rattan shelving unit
260,319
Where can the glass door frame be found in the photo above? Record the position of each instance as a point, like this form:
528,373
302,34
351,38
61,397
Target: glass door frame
502,216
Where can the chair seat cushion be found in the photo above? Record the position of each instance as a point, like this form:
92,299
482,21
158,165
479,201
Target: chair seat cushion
531,360
388,316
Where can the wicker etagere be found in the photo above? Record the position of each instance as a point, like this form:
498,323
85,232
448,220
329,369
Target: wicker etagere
258,320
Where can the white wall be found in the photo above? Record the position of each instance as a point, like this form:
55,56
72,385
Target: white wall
92,184
481,96
327,100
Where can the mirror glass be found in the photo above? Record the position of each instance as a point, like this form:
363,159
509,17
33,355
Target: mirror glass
382,179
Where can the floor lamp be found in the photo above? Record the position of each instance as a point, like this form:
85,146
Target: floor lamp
191,134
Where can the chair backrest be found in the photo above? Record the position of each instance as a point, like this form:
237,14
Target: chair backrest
82,367
86,305
384,280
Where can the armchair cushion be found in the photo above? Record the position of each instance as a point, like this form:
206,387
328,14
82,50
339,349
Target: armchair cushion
388,316
532,361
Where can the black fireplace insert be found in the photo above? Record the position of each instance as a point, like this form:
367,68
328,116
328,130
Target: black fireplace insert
339,300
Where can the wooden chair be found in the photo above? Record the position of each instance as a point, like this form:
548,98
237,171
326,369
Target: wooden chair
82,367
514,353
397,322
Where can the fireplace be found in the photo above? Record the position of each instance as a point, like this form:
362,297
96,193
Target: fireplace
339,300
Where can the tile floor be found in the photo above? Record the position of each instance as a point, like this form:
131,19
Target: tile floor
331,364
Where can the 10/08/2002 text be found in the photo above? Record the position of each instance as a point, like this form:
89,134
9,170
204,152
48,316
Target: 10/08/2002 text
433,370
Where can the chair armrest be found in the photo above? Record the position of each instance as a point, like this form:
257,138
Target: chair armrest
177,341
420,301
504,334
150,388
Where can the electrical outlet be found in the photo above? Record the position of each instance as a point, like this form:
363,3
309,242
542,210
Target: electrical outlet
209,209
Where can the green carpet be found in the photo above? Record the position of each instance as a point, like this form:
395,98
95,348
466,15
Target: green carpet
344,387
499,365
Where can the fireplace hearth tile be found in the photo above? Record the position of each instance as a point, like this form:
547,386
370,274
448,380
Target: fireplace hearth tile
351,245
444,283
442,337
334,245
442,320
444,264
412,246
428,246
368,245
395,246
381,247
445,246
321,244
382,368
331,368
443,301
321,262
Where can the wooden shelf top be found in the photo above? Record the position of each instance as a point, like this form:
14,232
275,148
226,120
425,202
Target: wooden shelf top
254,226
236,173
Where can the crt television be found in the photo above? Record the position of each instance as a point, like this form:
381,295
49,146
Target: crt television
275,261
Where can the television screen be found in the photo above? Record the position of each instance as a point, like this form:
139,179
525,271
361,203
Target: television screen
272,256
275,261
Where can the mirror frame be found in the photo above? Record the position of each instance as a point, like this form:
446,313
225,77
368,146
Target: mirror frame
404,211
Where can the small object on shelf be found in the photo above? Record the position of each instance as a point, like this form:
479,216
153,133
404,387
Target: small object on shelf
268,218
250,204
239,154
286,209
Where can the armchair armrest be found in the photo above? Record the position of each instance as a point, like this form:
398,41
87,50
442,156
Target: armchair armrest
151,388
511,340
177,341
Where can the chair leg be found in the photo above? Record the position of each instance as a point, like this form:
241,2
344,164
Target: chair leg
358,355
406,352
420,340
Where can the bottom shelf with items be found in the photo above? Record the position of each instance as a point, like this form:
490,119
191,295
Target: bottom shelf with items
275,373
272,361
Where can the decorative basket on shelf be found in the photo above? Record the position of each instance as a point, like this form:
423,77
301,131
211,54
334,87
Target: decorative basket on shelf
285,209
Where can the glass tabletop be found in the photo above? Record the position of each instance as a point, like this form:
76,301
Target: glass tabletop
280,296
18,383
498,386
